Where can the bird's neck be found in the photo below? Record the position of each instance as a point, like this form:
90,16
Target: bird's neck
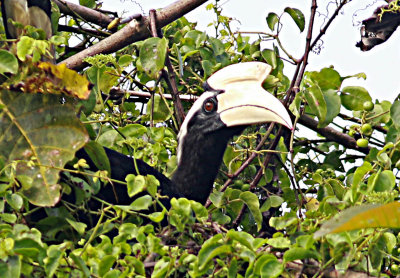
200,158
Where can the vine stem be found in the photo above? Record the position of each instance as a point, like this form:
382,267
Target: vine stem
246,163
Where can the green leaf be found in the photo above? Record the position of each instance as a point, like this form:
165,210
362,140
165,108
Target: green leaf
279,242
152,184
267,265
333,104
142,203
361,172
81,264
217,46
54,254
161,268
157,216
24,47
300,253
88,3
383,181
272,20
78,226
103,77
270,57
273,201
13,267
133,130
230,160
207,67
327,79
271,269
395,113
386,105
294,107
8,62
357,75
152,55
161,112
375,251
337,188
30,248
297,17
58,40
200,211
242,237
216,198
362,217
15,201
113,273
390,241
353,97
125,60
220,217
211,248
251,200
106,264
136,184
233,268
280,223
32,124
316,102
98,155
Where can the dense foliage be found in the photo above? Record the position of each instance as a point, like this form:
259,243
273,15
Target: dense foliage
272,194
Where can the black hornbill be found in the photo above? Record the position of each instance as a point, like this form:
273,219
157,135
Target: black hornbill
234,99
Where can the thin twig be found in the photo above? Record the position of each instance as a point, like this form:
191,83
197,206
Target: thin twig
168,75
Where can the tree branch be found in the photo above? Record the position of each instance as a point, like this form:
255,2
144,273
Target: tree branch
332,134
85,13
134,31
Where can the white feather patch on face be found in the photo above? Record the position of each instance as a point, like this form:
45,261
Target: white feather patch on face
197,106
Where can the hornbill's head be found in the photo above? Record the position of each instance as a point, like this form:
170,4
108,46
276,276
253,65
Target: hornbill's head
234,100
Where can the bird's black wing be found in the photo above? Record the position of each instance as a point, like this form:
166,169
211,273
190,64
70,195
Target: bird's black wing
122,165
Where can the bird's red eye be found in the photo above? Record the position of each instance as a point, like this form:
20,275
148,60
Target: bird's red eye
209,105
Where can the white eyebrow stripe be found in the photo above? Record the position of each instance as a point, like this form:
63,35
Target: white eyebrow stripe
197,106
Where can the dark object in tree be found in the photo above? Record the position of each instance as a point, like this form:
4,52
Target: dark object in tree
376,29
234,99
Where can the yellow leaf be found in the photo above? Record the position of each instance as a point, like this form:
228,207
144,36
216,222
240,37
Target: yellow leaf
70,82
361,217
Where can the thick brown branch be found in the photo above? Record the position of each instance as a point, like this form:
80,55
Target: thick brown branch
136,30
87,14
332,134
118,91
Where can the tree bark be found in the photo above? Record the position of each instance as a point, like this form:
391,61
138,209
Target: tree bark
134,31
84,12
